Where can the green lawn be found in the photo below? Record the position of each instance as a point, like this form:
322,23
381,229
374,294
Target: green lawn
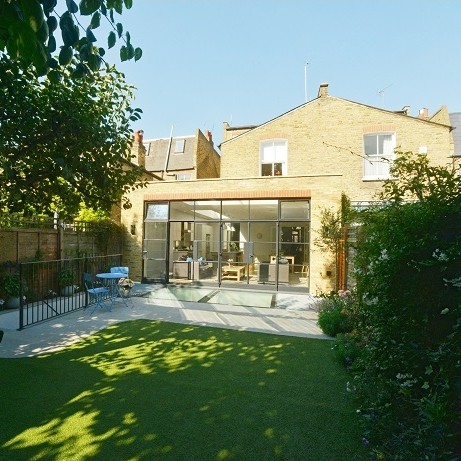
146,390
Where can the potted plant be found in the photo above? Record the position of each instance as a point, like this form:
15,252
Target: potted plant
66,282
125,285
233,246
12,288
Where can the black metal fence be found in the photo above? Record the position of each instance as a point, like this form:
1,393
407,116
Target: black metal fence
52,288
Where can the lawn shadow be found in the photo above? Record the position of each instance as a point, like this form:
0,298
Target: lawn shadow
149,390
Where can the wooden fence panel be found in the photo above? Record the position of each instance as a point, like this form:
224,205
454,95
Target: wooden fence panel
23,245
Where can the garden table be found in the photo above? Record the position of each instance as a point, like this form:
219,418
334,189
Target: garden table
110,280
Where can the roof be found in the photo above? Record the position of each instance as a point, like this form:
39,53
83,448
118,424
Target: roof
402,113
176,153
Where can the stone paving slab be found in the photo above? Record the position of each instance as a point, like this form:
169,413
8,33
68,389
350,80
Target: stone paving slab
57,333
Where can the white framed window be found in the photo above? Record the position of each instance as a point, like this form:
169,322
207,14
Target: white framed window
183,177
274,157
378,151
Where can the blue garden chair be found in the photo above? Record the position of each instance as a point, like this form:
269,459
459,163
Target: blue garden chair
97,295
120,270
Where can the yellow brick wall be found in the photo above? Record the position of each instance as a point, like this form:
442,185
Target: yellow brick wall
326,136
325,191
233,132
325,139
207,160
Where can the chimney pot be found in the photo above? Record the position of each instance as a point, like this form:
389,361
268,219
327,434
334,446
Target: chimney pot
424,113
138,136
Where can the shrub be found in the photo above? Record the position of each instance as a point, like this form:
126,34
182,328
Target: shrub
335,313
66,277
409,377
347,348
11,285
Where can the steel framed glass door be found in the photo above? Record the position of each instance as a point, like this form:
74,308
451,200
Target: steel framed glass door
155,248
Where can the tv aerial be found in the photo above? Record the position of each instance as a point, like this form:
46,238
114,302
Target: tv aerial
381,93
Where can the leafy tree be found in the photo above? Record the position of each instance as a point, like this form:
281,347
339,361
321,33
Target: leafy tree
332,225
28,31
332,232
64,142
88,214
414,178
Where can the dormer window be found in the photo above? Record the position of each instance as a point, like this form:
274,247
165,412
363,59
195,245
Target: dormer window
179,146
274,158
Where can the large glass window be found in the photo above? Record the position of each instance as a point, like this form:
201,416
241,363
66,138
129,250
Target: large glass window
378,153
247,242
157,212
294,210
207,210
274,158
261,210
235,210
181,211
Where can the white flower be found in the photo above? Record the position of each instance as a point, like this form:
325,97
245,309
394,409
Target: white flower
455,282
1,302
445,311
384,255
440,255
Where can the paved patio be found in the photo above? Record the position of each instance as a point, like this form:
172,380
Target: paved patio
292,316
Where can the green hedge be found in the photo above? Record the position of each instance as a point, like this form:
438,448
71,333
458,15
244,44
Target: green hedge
408,326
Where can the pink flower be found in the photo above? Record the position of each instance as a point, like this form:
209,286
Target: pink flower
344,293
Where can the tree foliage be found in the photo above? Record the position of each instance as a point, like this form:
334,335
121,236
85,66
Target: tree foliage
414,178
28,30
65,142
332,225
408,315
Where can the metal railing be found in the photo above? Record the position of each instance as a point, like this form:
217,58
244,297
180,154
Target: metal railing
53,288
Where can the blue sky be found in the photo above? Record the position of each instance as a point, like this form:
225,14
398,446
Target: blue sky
243,61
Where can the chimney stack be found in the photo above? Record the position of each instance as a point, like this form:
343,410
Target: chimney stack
138,151
209,136
323,90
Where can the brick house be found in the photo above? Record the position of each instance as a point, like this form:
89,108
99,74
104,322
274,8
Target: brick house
255,225
182,157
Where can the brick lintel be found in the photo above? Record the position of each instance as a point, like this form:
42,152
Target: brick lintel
229,195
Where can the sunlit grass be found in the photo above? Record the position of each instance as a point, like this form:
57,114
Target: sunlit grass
145,390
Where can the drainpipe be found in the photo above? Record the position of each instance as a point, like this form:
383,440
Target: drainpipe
165,168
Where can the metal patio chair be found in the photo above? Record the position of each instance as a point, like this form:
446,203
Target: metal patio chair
120,270
97,295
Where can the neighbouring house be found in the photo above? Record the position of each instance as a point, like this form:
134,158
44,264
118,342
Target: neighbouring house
182,158
255,225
